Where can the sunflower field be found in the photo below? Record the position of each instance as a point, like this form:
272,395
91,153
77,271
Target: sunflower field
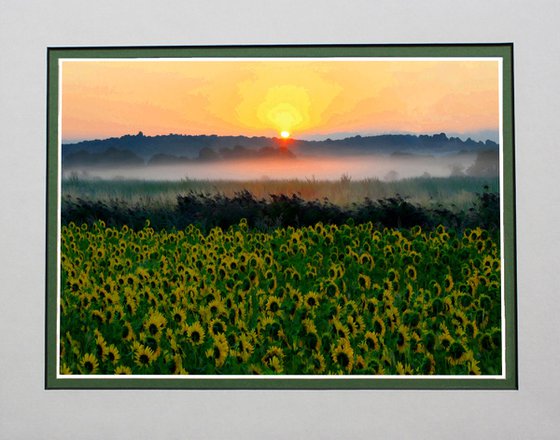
317,300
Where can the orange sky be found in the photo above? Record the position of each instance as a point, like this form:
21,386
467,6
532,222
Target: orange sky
307,98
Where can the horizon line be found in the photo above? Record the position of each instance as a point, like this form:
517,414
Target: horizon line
478,136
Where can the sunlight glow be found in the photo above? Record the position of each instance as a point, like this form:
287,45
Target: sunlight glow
108,98
285,134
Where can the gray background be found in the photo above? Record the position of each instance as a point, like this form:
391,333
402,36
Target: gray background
29,412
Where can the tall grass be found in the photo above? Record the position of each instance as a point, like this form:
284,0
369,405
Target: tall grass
426,202
452,192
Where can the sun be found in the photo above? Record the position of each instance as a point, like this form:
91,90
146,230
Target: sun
285,134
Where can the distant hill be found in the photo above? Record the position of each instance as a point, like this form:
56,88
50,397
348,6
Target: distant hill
395,143
172,144
138,149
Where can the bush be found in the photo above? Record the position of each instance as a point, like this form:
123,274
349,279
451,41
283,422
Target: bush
280,210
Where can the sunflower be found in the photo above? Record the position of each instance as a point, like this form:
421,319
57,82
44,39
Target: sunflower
459,319
393,275
353,326
217,308
367,261
123,370
378,326
311,300
340,329
343,355
89,364
113,354
364,282
273,352
474,369
496,336
143,356
253,277
101,346
219,350
64,369
388,250
480,245
150,341
195,333
411,272
445,340
216,326
358,323
388,287
471,329
318,363
370,305
179,315
155,323
457,353
273,305
127,333
371,341
334,271
245,346
402,338
436,287
270,283
98,316
466,270
360,363
465,300
331,289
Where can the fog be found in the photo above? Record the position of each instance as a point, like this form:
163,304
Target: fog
333,168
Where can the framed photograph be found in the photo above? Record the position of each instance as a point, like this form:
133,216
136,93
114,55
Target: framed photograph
275,217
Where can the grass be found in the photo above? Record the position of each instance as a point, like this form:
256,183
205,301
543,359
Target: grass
453,202
451,192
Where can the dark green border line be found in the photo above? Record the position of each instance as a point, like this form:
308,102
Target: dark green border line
482,50
510,240
52,219
443,50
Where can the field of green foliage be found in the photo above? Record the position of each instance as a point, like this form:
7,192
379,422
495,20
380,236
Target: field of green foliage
322,299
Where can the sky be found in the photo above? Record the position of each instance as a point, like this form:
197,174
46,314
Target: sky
308,99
